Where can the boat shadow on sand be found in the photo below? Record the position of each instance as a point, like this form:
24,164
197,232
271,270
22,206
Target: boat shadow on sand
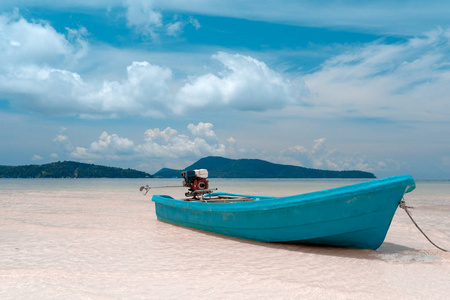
386,249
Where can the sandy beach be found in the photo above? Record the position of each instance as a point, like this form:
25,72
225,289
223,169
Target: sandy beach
100,239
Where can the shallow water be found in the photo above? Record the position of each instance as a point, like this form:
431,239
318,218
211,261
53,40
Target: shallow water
100,239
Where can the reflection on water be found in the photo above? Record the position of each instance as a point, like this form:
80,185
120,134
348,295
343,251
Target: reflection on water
99,239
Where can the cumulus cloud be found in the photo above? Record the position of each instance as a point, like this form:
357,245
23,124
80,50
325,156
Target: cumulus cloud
403,81
32,54
113,143
33,75
321,156
44,82
181,146
110,147
161,146
25,43
145,91
157,134
203,130
245,84
167,143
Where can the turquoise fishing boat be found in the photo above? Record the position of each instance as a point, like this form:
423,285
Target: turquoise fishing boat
356,216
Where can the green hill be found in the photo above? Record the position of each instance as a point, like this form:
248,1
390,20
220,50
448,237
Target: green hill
220,167
68,169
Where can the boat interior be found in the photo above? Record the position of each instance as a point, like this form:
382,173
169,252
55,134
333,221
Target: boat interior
208,196
219,199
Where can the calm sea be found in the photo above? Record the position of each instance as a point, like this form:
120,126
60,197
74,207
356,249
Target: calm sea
100,239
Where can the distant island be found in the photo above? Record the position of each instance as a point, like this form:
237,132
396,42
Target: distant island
69,169
219,167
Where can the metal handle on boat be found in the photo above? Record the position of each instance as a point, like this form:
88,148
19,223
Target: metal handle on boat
147,188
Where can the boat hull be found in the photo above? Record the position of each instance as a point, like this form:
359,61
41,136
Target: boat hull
356,216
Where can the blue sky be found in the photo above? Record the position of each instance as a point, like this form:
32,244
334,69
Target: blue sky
149,84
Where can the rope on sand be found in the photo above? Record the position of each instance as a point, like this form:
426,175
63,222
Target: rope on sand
402,204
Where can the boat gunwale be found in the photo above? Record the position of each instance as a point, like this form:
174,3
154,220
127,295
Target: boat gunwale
316,197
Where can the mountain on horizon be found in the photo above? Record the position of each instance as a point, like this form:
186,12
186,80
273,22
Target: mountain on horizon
69,169
220,167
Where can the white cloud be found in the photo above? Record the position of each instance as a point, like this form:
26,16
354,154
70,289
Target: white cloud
44,82
203,130
232,147
181,146
318,145
63,140
391,17
145,91
98,4
245,84
195,22
162,147
175,29
25,43
297,149
147,20
83,153
321,156
112,144
155,134
36,157
167,143
403,81
60,138
143,17
107,147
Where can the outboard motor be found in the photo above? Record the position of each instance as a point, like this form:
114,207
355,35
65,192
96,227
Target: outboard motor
195,180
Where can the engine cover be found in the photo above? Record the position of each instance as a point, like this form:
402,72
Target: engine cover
195,179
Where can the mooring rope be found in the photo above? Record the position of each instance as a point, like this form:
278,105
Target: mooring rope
402,204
